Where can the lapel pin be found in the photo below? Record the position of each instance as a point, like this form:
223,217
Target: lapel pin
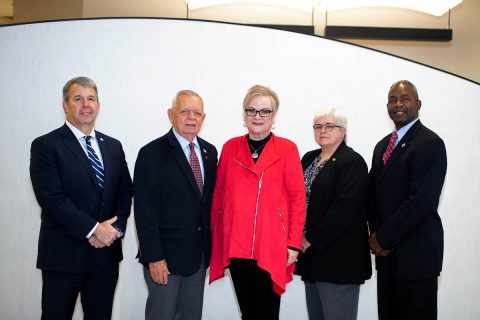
403,145
204,151
334,159
101,139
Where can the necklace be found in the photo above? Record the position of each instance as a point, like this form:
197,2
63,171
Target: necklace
254,153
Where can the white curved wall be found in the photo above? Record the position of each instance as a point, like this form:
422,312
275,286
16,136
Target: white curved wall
139,65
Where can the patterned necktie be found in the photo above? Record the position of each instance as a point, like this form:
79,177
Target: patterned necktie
195,164
391,145
95,162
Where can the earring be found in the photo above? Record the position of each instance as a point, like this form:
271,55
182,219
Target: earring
244,124
273,126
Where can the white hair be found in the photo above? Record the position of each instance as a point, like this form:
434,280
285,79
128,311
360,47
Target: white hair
339,116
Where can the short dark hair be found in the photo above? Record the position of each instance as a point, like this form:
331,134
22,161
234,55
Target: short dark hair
406,83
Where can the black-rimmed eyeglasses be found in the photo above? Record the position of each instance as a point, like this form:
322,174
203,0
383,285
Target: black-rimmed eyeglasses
253,112
328,127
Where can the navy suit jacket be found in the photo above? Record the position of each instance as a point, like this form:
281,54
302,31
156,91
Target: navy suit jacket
72,203
171,216
404,197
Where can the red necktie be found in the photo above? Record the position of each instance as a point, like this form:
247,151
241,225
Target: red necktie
195,164
391,145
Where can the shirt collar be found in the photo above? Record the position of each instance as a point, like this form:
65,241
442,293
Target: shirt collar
184,143
79,134
405,128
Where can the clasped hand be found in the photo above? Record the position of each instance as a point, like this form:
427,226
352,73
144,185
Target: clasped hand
105,234
375,247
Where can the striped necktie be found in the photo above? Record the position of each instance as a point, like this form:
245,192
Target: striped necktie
95,162
390,147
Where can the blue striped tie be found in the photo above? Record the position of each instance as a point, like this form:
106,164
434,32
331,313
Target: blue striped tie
95,162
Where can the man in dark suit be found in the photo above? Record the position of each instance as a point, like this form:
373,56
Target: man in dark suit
173,185
84,205
406,180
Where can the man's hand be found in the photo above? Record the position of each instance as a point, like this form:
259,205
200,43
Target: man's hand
375,247
94,242
106,233
159,272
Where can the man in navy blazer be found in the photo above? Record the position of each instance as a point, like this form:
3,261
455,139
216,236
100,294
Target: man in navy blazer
84,212
172,212
406,181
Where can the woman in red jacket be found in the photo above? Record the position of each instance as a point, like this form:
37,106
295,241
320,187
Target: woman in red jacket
258,210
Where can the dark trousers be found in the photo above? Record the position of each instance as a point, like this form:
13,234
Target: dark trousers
254,290
402,299
96,288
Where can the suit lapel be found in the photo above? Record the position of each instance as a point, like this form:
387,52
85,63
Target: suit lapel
400,148
182,161
72,144
106,156
207,160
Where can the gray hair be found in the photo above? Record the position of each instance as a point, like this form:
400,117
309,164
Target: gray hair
83,81
185,93
339,116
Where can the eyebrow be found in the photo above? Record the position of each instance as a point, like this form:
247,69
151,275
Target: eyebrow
401,95
89,96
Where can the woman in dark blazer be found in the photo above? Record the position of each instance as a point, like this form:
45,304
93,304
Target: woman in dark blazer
335,258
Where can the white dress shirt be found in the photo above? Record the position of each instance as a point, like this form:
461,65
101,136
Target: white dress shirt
185,144
81,139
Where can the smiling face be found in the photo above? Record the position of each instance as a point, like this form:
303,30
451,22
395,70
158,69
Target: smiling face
81,107
329,140
403,104
187,116
259,127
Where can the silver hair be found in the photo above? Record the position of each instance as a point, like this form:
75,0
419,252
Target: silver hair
185,93
83,81
339,116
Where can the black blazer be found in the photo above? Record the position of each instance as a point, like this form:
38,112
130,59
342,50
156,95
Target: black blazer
404,197
171,216
68,193
336,224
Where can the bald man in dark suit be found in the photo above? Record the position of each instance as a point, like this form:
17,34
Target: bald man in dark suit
406,180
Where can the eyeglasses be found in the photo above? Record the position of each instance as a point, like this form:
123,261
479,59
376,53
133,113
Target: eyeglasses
186,112
253,112
328,127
